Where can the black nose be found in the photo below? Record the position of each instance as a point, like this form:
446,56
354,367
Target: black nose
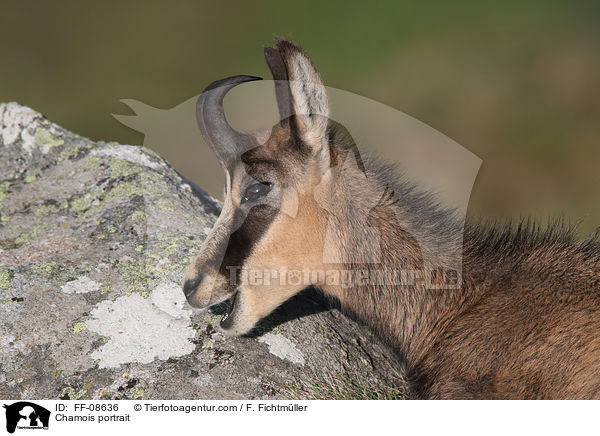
190,286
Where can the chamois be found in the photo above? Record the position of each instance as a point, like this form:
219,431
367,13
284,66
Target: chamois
523,321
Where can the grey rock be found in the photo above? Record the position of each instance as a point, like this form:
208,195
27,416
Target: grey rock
94,239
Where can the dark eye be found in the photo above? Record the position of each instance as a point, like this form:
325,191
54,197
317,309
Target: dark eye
256,191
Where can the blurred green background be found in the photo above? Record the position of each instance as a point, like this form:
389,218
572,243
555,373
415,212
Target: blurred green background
517,83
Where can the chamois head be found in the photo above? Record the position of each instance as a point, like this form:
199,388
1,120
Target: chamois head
270,219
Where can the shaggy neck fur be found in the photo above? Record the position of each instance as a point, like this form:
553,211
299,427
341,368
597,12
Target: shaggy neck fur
412,232
406,232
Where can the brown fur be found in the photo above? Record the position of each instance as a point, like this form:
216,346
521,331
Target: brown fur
524,323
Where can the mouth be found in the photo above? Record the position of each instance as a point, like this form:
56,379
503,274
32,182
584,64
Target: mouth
228,318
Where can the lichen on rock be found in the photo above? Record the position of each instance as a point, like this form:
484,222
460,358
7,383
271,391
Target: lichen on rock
150,332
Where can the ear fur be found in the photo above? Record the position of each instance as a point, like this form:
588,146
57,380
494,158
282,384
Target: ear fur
309,102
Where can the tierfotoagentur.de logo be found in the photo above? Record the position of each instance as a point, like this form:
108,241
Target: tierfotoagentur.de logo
26,415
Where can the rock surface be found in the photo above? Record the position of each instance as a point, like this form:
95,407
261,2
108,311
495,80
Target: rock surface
94,238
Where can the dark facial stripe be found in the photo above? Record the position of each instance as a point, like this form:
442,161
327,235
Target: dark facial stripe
243,240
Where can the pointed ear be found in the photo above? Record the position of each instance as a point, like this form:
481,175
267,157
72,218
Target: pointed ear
282,86
300,92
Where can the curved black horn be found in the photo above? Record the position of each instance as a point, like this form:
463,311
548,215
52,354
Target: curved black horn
226,142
